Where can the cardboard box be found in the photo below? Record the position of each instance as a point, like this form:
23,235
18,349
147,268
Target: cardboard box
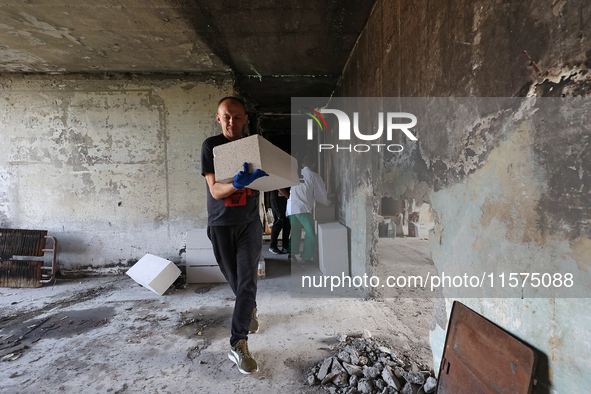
154,273
259,153
333,249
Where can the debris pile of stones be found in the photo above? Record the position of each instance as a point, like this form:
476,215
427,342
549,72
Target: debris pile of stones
363,366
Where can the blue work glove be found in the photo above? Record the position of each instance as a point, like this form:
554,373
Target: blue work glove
244,178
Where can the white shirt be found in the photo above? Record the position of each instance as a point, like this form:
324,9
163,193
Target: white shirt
302,196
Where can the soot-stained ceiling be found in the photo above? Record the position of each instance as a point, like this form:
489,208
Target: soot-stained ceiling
276,49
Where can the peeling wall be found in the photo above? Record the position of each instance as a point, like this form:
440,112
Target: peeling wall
109,165
354,180
498,195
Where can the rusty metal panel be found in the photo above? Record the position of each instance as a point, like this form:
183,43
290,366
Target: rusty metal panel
480,357
17,242
20,273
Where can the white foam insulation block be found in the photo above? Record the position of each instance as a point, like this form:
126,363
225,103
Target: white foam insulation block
205,274
200,257
154,273
198,239
202,266
199,248
323,213
228,160
333,249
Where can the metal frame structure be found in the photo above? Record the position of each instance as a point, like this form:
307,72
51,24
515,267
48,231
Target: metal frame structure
48,277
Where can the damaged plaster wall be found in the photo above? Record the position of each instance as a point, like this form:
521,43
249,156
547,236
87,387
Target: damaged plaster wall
109,165
352,177
498,192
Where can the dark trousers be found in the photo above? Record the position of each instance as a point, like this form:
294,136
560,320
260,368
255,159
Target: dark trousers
280,222
237,250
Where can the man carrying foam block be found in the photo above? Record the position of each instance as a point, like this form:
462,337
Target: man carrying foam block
235,230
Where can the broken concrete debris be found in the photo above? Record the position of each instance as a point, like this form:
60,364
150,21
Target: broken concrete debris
430,385
344,356
415,377
324,368
11,357
390,378
363,366
353,370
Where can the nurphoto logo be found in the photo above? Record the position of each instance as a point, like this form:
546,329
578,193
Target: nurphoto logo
392,124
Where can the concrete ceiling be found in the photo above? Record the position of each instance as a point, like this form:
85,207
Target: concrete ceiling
276,49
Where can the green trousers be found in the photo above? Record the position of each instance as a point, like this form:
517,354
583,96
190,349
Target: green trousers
306,221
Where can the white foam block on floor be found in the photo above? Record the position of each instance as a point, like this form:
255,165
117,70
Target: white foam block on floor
259,153
316,223
333,249
205,274
200,257
198,239
154,273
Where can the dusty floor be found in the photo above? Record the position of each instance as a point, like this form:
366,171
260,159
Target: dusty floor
405,256
109,334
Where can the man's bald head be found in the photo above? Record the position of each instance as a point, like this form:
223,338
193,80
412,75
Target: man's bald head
234,100
232,117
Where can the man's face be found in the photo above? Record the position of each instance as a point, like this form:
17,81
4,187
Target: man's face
232,116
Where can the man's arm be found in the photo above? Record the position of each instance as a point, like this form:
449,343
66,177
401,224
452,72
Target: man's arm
219,190
244,178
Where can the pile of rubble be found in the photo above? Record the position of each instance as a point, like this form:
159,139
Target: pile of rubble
363,366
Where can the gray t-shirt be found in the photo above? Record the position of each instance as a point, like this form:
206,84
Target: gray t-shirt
238,208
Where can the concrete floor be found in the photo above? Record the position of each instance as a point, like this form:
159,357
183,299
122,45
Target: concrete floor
108,334
404,256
